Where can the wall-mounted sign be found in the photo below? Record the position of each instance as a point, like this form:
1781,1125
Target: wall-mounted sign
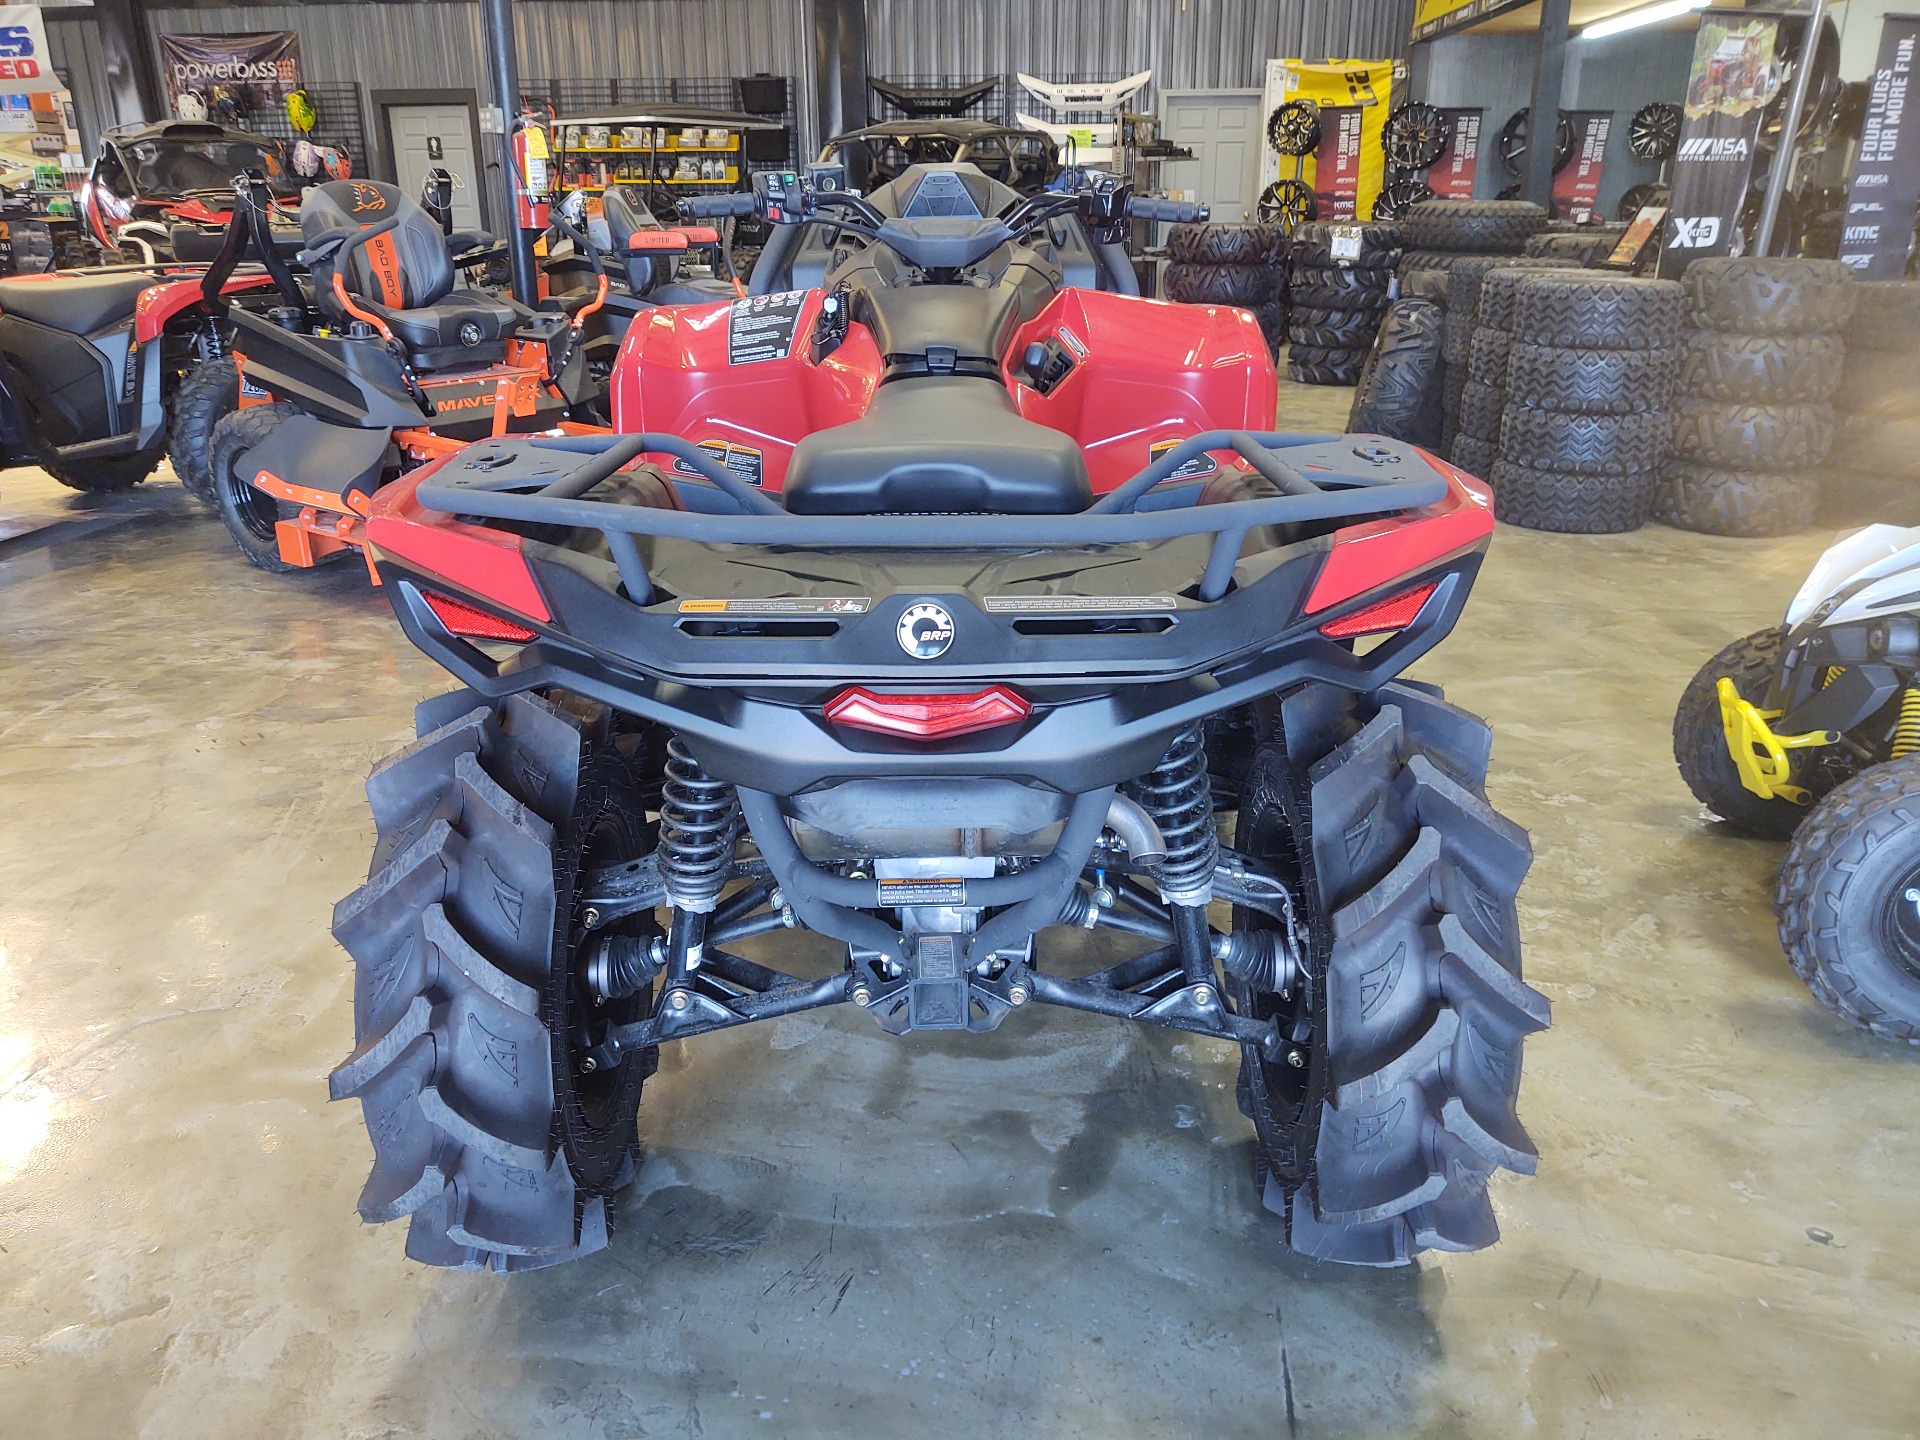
1451,177
231,78
1732,80
24,66
1884,192
1576,189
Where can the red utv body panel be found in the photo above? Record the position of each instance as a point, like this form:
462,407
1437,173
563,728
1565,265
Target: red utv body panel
168,298
1146,373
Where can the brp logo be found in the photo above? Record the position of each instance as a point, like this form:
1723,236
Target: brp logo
925,631
1695,232
469,334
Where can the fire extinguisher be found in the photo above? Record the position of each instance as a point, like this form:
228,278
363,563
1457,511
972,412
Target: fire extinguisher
532,174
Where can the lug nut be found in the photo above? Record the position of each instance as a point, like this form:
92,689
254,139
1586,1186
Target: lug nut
1018,995
1203,995
1296,1059
678,1000
862,995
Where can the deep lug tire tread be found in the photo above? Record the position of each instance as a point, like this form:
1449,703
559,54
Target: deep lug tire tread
1700,740
208,393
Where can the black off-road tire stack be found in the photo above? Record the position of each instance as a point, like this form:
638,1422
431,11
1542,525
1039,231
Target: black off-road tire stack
1483,395
1380,1140
1873,469
1399,394
1238,265
1587,245
1337,304
1754,419
1589,381
1464,239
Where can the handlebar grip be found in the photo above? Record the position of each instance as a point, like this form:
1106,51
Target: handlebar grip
719,207
1177,212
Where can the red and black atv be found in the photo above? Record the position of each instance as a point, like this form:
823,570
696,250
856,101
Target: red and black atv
951,598
164,191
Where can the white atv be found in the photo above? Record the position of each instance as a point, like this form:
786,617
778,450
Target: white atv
1812,730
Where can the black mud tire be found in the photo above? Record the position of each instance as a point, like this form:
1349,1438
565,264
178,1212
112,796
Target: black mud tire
1225,244
1485,227
484,1129
250,515
1381,1145
1307,365
1700,739
1380,243
1370,279
206,395
1849,930
1399,391
1572,247
1439,260
1273,317
110,475
1591,310
1352,299
1481,406
1245,286
1886,317
1474,455
1591,382
1757,295
1487,356
1751,437
1568,503
1761,369
1347,332
1494,296
1749,505
1435,285
1584,444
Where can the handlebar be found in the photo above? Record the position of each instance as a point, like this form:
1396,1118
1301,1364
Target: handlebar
719,207
1176,212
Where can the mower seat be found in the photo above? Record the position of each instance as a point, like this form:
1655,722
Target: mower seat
405,276
77,304
939,445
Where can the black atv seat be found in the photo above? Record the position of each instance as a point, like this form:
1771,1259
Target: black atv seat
405,276
938,445
77,304
653,272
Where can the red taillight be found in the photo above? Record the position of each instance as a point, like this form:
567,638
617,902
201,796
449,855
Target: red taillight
927,717
1396,612
472,623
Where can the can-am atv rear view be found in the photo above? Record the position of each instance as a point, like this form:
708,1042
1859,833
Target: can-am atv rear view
1031,623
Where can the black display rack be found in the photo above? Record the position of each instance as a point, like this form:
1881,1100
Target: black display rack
340,108
571,99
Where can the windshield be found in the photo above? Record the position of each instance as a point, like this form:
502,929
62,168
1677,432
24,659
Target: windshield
183,167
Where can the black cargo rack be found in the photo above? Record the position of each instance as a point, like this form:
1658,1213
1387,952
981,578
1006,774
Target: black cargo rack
522,480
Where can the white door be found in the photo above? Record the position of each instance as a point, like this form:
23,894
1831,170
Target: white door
1222,128
426,137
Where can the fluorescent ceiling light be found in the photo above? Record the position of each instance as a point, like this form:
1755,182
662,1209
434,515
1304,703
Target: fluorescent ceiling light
1646,15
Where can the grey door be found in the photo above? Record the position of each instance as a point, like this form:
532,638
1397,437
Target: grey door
441,135
1222,128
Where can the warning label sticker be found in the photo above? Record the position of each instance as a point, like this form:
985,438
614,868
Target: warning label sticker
745,462
1202,464
1077,604
781,605
923,892
762,327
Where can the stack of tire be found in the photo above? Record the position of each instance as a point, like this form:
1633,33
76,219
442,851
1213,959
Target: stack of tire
1483,397
1873,469
1590,376
1464,238
1341,281
1587,245
1754,418
1241,265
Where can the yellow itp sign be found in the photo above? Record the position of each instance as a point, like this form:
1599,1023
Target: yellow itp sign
1353,98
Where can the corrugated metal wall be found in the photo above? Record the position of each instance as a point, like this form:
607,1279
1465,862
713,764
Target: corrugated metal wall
74,47
1209,44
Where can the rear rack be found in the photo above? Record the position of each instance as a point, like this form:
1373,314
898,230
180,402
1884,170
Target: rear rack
529,481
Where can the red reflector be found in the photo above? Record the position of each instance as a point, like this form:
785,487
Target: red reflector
472,623
927,717
1396,612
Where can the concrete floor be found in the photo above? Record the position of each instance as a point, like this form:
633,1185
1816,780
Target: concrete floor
1049,1231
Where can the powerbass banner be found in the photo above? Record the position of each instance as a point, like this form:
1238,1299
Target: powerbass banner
1451,177
1576,189
1732,80
1355,168
1884,191
230,79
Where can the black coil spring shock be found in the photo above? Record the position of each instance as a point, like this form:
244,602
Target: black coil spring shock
1179,797
699,825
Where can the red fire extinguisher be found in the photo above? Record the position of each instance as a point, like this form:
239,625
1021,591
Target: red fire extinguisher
532,174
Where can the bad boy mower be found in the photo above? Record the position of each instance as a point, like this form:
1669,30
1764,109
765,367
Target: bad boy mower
1811,730
374,363
1030,624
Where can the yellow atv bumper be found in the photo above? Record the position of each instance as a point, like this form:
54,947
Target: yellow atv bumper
1759,754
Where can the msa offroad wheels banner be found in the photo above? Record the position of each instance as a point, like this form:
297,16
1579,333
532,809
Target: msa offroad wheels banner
1732,80
1884,189
230,77
1354,98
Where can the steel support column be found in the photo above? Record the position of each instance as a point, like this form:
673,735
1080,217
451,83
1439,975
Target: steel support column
1543,124
840,65
503,68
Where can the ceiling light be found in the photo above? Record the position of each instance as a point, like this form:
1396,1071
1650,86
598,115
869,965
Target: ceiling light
1645,15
